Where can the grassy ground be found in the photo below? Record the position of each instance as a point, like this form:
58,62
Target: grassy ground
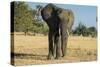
34,50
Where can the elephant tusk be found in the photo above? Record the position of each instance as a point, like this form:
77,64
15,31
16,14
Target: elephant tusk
67,32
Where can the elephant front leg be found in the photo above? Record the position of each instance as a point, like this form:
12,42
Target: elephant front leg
64,38
50,37
64,46
58,47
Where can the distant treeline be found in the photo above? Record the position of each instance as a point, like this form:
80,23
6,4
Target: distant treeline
27,20
82,30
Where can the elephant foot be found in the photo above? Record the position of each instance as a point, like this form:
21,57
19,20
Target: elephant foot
58,58
49,57
62,55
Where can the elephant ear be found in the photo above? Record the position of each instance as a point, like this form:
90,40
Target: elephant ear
59,10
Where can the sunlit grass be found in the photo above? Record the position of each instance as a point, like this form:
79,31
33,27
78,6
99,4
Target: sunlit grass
34,50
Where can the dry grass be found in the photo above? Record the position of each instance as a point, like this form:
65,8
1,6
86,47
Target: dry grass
34,50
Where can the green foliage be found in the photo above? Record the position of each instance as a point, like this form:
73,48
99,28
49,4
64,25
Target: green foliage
45,29
27,20
40,27
92,31
80,30
84,31
22,17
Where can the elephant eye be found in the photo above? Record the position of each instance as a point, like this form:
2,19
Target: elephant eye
47,16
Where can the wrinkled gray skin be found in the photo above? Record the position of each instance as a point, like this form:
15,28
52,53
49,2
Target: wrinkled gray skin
60,22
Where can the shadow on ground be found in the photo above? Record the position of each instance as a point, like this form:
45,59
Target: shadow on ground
28,56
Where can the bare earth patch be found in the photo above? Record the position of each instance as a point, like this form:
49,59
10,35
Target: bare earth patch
34,50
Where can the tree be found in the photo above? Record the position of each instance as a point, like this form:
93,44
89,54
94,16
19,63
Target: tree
84,31
80,30
22,17
45,29
28,20
92,31
38,13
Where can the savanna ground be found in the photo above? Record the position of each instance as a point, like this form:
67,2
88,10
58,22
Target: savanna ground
34,50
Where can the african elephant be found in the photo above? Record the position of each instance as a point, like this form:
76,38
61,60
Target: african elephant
60,22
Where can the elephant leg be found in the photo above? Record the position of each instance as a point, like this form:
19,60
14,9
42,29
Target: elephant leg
58,46
64,45
50,37
64,38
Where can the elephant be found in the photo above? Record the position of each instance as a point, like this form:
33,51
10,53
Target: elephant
59,21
